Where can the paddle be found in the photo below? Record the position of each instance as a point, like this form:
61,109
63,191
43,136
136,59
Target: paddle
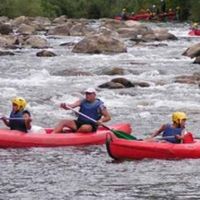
118,133
12,118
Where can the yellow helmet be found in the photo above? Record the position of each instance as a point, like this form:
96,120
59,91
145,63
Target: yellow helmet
178,116
124,9
20,102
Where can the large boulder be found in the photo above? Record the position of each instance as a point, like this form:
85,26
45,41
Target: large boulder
5,29
25,29
80,29
149,35
163,34
20,20
35,41
193,51
120,82
99,44
42,21
60,20
4,19
134,31
63,29
112,24
107,32
126,83
112,85
7,40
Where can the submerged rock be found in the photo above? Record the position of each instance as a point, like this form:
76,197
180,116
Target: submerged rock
45,53
6,53
68,72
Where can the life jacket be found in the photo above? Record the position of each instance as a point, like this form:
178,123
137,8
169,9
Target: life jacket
91,109
170,132
15,123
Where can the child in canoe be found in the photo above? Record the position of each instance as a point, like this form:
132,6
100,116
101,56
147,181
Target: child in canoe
16,121
175,132
33,128
20,119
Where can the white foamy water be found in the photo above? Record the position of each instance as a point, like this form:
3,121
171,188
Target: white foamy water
87,172
32,77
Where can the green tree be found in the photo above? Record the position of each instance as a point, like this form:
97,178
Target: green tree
24,7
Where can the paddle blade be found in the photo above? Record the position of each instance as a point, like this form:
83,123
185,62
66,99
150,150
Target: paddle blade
123,135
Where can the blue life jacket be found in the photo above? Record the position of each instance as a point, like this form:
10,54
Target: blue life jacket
170,132
91,109
17,124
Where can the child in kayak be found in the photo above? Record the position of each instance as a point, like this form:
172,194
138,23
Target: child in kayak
16,121
32,128
173,133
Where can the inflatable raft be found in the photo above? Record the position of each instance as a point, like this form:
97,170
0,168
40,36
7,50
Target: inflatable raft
194,32
138,17
122,149
17,139
148,17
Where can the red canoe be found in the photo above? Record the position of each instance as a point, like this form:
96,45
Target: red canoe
122,149
194,32
17,139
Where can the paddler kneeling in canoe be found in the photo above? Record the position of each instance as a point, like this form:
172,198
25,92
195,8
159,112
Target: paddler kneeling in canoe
91,114
173,133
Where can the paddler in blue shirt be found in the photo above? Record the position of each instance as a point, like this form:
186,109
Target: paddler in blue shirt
173,133
91,107
16,121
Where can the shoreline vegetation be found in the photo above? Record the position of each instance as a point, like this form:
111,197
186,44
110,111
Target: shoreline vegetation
95,9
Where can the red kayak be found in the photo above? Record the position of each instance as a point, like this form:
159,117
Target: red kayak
194,32
17,139
122,149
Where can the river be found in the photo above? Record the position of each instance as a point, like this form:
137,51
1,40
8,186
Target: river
88,172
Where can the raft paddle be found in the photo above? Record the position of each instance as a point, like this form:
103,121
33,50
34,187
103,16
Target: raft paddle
118,133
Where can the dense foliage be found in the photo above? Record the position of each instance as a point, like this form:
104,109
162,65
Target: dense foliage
189,9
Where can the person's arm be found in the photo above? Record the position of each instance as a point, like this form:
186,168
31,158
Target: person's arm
73,105
5,121
105,116
160,130
181,137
